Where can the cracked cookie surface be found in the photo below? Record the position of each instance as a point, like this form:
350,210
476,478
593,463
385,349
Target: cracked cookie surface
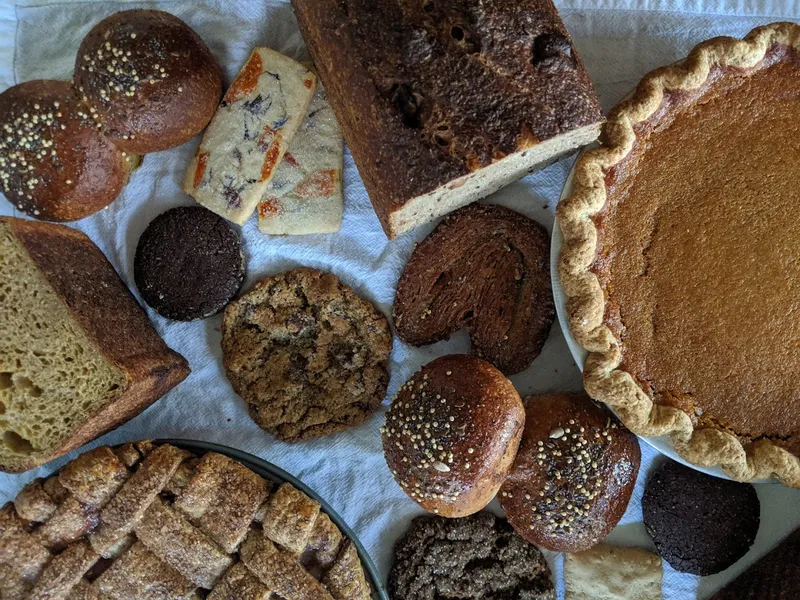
306,353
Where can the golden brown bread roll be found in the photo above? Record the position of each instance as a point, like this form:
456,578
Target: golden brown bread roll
150,77
451,434
55,164
573,475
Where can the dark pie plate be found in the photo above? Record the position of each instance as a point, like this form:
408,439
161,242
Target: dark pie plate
277,475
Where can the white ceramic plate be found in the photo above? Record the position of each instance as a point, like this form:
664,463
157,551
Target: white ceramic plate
662,443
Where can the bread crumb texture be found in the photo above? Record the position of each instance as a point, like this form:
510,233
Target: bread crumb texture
52,376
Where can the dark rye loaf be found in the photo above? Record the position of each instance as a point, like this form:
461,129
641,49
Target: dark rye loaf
774,577
443,103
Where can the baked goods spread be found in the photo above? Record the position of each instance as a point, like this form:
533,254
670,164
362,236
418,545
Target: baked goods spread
775,577
612,573
451,434
143,521
400,91
485,268
472,558
77,354
305,194
700,524
189,263
40,172
247,137
665,279
573,476
306,353
149,79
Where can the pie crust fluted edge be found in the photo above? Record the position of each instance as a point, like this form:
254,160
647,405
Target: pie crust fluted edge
604,381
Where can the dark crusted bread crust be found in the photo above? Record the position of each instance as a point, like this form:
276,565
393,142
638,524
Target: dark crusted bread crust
745,458
700,524
451,434
775,577
486,268
189,263
150,77
474,558
573,476
449,87
306,353
98,299
41,173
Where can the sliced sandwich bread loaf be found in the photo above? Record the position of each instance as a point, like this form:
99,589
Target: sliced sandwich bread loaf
77,353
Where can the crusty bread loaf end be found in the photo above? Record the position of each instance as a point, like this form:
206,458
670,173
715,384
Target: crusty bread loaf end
77,356
441,103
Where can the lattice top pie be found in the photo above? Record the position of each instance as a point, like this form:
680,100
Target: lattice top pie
157,523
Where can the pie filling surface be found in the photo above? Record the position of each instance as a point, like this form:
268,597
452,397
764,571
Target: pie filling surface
699,251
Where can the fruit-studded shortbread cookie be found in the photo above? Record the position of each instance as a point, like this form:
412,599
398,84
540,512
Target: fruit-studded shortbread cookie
305,195
249,134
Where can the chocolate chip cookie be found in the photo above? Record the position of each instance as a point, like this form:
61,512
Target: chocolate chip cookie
306,353
474,558
189,263
700,524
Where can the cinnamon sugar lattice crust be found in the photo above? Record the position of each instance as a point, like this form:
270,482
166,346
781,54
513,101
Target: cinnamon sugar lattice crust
698,441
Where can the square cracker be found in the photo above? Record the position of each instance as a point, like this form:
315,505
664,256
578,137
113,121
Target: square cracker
612,573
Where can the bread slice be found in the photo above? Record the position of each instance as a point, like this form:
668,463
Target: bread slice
77,353
443,103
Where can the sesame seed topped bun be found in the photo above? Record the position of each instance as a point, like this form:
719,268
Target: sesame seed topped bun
451,434
55,164
150,77
573,476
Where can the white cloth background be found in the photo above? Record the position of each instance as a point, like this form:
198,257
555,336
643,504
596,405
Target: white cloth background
619,40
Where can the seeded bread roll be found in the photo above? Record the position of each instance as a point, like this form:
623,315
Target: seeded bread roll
42,123
150,77
573,476
451,434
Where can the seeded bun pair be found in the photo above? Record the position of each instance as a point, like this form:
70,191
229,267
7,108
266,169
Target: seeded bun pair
144,82
457,433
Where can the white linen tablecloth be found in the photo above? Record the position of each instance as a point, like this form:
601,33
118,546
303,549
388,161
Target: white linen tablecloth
619,41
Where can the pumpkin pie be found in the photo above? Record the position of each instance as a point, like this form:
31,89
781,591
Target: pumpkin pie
681,258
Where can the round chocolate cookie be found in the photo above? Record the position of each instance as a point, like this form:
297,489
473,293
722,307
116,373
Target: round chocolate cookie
306,353
189,263
473,558
700,524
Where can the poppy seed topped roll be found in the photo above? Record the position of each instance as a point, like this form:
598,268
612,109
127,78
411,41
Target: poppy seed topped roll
151,79
55,164
451,434
573,476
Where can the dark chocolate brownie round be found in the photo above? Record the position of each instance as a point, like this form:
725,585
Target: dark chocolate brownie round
189,263
700,524
479,557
